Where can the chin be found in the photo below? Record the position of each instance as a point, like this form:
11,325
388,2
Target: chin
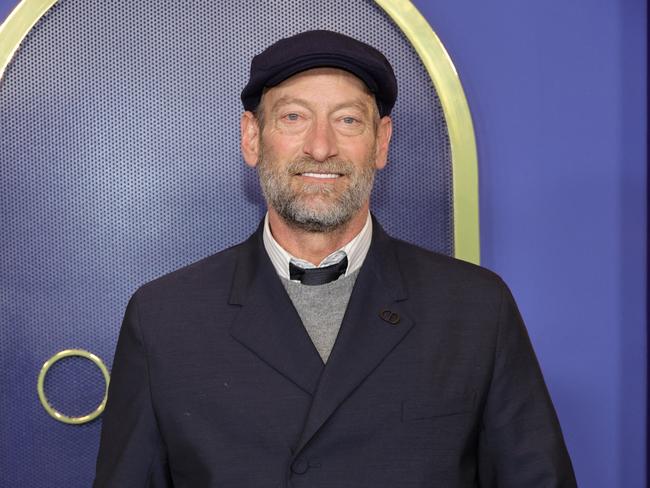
318,218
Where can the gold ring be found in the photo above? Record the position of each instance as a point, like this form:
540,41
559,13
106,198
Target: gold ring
41,392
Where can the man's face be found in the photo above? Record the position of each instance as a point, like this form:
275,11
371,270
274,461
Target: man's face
318,148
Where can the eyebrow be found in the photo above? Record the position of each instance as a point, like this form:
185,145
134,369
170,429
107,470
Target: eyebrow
358,105
286,100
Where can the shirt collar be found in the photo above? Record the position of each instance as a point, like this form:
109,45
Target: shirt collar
355,250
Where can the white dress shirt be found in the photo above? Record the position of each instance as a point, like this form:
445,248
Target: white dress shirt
355,250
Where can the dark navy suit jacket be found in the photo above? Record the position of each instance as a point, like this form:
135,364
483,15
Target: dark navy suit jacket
432,382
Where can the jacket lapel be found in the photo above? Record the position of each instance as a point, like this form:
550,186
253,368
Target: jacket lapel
268,323
374,323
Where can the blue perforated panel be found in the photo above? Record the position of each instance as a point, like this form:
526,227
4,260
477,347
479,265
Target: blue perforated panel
119,162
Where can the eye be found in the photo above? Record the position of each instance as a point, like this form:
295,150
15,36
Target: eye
292,117
349,120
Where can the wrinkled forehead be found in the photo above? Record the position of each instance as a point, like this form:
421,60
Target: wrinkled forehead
320,85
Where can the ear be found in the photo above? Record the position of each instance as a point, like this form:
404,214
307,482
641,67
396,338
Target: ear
384,132
250,140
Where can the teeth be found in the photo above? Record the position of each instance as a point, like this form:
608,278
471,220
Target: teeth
321,175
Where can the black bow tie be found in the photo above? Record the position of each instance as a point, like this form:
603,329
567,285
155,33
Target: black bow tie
318,276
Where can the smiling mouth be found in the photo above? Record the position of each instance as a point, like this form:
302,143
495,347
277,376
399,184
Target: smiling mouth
321,175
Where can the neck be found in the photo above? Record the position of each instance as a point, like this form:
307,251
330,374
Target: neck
314,246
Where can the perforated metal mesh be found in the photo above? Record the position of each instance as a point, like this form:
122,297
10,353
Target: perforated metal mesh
119,162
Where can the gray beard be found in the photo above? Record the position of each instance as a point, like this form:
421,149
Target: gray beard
329,213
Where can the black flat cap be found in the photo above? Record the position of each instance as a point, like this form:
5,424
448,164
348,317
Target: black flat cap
321,48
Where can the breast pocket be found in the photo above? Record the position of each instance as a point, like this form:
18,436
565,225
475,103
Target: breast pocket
417,409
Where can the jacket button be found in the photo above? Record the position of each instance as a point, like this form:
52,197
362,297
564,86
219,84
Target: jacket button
299,466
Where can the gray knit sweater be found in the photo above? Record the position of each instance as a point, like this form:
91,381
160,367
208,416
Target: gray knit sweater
321,309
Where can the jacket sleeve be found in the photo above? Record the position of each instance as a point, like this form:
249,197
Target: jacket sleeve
520,441
131,451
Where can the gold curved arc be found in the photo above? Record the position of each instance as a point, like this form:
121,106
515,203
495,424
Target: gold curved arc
17,25
438,64
41,386
464,159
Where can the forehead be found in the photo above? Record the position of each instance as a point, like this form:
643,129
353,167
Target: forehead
320,85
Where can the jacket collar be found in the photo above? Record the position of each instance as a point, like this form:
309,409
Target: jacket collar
267,322
252,259
374,323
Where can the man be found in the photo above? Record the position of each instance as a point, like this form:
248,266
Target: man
321,352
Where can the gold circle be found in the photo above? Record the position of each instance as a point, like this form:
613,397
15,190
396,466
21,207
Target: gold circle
41,392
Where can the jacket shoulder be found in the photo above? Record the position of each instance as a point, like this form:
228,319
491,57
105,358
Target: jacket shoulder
423,266
208,275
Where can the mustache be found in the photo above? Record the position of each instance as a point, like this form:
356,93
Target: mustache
308,165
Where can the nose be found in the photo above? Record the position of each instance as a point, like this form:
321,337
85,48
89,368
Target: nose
320,141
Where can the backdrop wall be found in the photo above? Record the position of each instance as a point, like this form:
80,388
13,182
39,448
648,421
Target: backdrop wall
558,95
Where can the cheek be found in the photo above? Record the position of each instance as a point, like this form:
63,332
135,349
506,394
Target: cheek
360,153
279,146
